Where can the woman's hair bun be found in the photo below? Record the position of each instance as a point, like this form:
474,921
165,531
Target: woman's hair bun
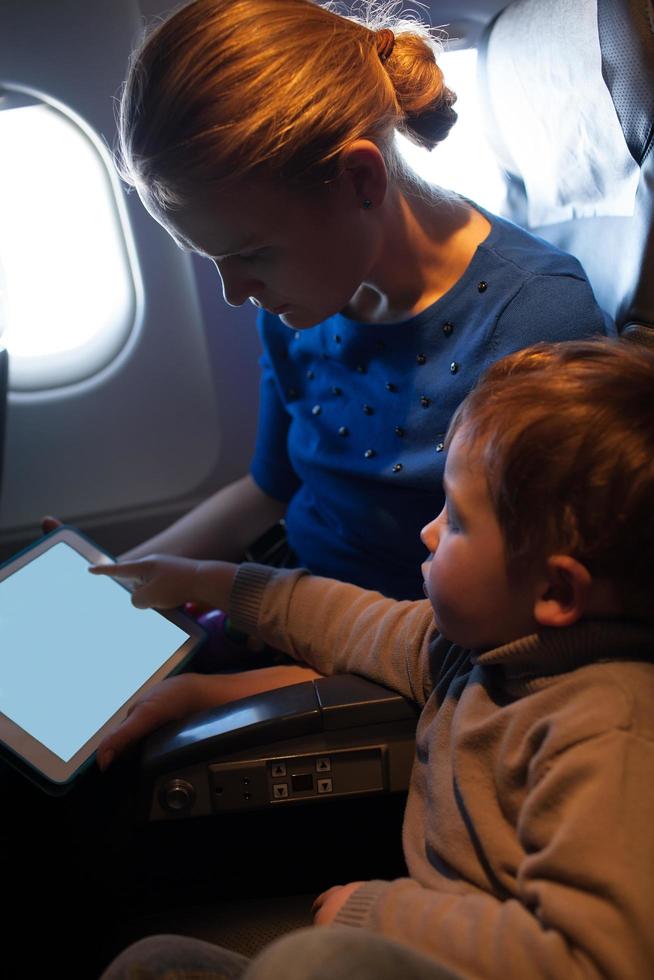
431,126
423,98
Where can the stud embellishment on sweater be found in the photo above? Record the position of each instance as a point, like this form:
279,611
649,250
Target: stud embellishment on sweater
440,446
343,431
390,386
336,390
399,431
448,328
482,286
397,468
297,335
369,453
424,401
316,410
361,369
454,367
310,375
421,359
368,410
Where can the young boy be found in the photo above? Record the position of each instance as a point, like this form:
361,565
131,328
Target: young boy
529,828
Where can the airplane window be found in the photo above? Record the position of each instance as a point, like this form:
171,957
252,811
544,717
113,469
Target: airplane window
464,161
68,293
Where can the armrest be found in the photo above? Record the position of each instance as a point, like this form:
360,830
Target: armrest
340,736
343,701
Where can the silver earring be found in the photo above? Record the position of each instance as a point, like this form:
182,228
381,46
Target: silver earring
367,204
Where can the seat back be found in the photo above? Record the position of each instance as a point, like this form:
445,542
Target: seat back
568,91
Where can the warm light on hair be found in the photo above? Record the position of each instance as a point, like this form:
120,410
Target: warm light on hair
225,88
566,436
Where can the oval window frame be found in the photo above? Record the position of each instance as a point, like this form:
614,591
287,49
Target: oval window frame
82,362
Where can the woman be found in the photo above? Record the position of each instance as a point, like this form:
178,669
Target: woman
261,133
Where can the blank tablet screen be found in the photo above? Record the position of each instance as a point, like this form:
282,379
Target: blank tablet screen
74,649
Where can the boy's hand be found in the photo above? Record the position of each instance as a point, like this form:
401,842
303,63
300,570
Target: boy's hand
329,903
160,581
170,700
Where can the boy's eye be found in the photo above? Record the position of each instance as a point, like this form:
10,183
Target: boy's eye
452,522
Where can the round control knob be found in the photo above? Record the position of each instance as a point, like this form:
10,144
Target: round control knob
177,795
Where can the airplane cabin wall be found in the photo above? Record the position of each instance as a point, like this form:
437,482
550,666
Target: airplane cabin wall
173,417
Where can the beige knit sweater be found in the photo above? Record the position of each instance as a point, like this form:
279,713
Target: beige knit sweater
529,827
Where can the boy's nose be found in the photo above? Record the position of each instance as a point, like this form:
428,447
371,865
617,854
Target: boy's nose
429,535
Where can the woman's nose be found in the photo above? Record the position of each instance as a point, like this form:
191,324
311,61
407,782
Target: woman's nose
237,288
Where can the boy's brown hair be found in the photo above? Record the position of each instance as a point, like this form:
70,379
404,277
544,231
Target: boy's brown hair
566,433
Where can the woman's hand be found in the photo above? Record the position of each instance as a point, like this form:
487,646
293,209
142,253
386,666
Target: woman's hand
187,694
329,903
50,523
170,700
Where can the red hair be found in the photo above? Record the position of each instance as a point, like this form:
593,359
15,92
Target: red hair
226,88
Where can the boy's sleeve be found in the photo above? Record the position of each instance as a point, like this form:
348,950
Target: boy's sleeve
584,888
336,627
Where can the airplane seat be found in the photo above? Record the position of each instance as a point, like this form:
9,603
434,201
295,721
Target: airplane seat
567,88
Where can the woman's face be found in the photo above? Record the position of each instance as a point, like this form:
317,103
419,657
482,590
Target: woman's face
301,255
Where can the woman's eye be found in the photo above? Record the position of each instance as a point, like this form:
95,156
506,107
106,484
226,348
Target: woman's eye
251,256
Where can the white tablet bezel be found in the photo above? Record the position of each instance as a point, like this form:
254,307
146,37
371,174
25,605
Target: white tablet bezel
28,749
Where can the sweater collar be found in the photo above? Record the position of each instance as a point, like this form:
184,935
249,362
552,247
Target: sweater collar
554,651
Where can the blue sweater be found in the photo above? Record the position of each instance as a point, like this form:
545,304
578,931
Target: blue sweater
353,415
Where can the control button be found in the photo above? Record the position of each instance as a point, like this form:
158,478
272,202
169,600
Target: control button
324,786
177,795
324,764
278,769
280,791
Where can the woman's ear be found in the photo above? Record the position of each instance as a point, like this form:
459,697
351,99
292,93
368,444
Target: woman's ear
364,171
565,594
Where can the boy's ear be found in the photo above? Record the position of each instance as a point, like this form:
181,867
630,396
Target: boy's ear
565,593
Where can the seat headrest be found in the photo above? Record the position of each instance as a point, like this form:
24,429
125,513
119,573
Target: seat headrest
569,88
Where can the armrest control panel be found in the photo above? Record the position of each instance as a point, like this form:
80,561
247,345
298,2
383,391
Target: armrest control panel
335,737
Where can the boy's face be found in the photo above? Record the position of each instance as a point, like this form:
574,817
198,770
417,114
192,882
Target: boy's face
465,577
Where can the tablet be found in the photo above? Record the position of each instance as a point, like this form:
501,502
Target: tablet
75,655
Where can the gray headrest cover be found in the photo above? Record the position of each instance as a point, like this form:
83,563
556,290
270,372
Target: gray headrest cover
558,124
